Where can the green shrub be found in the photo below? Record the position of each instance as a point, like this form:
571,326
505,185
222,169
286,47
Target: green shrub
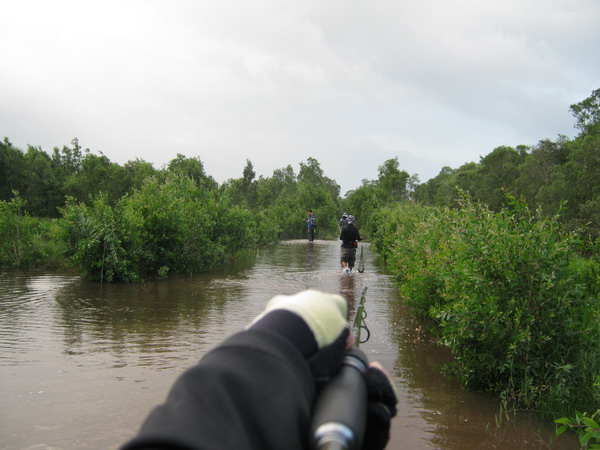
92,235
507,292
165,227
25,241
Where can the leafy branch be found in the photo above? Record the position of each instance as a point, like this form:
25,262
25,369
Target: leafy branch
585,426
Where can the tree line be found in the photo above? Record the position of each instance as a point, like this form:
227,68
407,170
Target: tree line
128,222
561,175
555,177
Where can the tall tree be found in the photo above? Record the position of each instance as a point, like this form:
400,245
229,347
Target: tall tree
137,171
310,172
12,170
242,191
68,160
281,185
249,184
192,168
538,171
392,182
43,189
497,174
587,112
428,191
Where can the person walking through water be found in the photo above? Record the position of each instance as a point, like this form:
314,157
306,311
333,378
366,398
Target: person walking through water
311,221
349,237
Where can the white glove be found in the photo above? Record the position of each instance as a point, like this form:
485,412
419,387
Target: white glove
325,314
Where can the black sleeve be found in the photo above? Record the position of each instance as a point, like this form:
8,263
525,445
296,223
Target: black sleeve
343,234
254,391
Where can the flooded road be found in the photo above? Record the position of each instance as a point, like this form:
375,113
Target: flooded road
81,364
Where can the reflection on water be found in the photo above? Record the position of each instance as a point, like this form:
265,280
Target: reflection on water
81,364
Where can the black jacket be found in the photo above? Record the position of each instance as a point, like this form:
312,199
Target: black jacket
349,235
221,403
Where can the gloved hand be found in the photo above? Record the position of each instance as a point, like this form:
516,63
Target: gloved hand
315,322
382,398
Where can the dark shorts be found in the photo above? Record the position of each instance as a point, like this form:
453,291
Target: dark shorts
349,255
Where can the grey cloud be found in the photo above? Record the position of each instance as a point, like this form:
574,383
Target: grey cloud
434,82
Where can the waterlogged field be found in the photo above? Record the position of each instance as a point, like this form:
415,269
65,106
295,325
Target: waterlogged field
81,364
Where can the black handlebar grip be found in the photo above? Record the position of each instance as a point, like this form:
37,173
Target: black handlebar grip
340,414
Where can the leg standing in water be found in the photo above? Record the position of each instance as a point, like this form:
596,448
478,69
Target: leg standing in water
256,390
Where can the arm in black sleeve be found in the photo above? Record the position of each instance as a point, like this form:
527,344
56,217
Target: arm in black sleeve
254,391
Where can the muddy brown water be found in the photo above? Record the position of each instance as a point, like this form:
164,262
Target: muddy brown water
81,364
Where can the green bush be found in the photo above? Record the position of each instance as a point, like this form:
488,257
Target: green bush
507,292
93,238
417,243
165,227
165,224
25,241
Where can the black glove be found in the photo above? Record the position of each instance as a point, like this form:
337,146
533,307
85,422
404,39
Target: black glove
382,400
326,362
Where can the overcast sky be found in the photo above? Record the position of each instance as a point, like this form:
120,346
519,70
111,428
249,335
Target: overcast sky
351,83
